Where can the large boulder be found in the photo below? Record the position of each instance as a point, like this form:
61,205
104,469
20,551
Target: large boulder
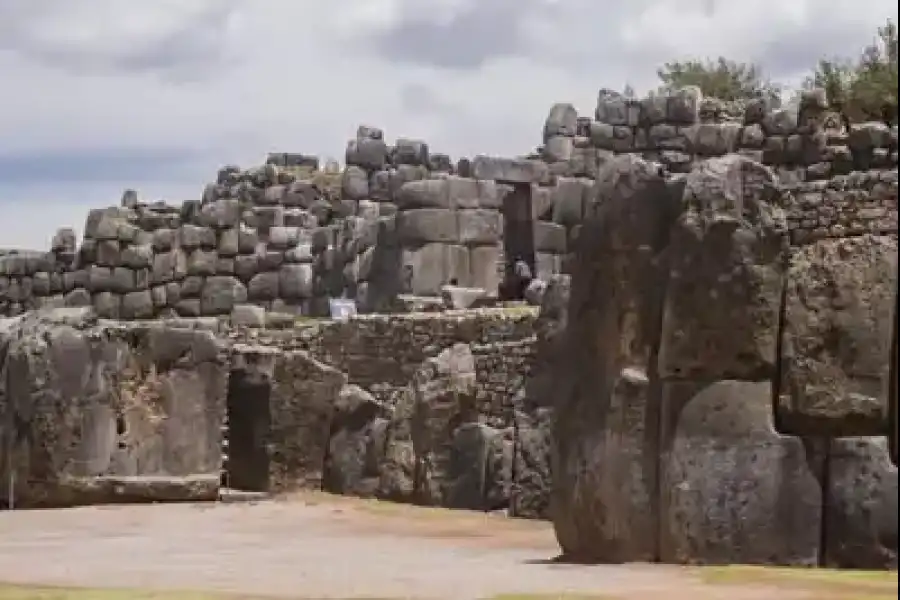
664,441
604,451
96,412
437,452
836,347
732,489
356,444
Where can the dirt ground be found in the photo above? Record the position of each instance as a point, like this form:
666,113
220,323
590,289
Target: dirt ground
315,546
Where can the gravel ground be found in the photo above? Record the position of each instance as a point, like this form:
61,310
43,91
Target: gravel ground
320,547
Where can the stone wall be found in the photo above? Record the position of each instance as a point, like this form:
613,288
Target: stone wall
724,390
283,409
106,413
382,352
399,219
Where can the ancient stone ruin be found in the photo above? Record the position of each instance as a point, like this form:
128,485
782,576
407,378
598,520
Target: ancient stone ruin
703,371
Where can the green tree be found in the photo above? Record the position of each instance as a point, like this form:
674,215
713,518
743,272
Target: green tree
863,87
721,78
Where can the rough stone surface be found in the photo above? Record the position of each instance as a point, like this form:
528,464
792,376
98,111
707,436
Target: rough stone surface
732,489
861,504
84,402
836,348
721,393
603,476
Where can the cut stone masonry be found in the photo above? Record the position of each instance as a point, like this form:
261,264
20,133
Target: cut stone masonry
710,377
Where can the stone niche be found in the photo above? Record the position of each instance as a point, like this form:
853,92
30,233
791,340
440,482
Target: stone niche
99,414
279,413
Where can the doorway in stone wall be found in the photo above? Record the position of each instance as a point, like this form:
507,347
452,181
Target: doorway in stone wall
248,421
518,236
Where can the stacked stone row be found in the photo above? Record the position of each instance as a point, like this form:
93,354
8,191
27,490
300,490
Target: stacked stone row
448,224
200,259
448,229
333,234
680,128
375,171
845,205
31,280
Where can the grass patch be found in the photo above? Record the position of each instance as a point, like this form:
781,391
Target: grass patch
832,584
16,592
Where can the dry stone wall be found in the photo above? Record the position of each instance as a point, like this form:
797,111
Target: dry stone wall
401,220
755,429
711,376
381,353
415,408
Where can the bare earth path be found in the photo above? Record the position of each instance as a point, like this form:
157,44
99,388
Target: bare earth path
319,547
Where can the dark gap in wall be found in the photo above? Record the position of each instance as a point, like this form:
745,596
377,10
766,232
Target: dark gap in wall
654,426
248,417
825,444
780,361
518,239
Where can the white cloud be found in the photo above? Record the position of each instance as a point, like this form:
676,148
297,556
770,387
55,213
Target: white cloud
228,80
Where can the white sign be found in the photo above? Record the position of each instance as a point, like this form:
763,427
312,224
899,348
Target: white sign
342,308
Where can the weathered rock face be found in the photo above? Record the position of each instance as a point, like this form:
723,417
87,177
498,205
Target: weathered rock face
357,443
437,452
727,253
604,436
836,349
861,505
100,414
700,346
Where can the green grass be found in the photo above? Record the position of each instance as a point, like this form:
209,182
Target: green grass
828,584
15,592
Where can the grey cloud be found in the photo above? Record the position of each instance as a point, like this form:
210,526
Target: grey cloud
800,50
102,166
188,50
417,98
475,34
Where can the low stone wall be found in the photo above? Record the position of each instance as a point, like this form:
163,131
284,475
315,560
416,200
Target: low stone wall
381,353
846,205
325,405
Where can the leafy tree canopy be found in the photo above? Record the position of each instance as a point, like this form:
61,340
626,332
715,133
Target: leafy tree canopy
862,87
721,78
866,87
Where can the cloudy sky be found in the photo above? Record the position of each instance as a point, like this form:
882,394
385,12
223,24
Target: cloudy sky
99,95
